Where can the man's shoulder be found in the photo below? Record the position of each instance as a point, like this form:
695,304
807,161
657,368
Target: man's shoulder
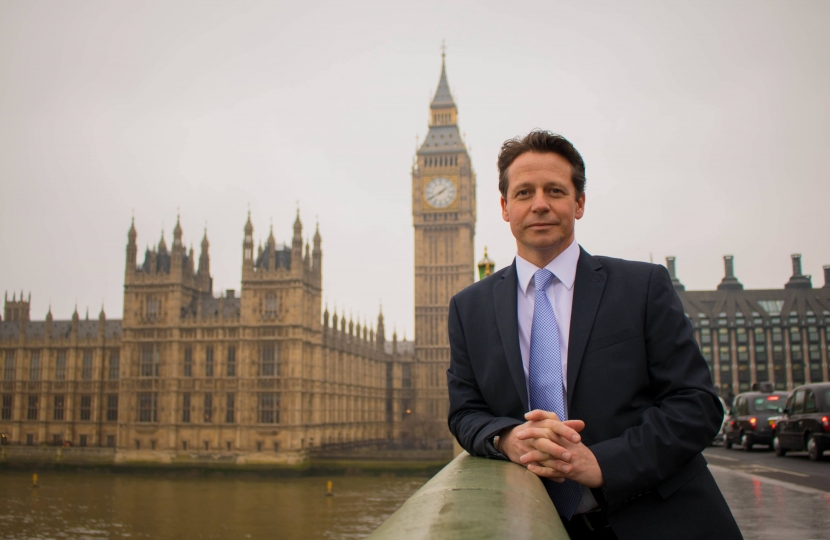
625,265
482,288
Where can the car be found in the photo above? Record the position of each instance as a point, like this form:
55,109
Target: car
805,422
720,435
749,424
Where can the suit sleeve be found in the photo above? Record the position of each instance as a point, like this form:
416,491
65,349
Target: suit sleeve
686,413
470,418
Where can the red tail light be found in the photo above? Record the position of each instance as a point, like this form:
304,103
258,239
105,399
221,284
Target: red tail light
825,424
752,422
771,423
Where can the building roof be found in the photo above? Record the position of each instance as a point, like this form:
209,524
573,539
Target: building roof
10,330
280,259
442,140
443,96
222,307
403,347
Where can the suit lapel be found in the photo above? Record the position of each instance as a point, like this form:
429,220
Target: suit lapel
588,287
505,298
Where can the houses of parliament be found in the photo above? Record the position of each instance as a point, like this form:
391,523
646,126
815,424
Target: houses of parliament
268,374
260,376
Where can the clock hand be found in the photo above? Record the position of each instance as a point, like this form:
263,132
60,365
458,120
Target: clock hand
440,192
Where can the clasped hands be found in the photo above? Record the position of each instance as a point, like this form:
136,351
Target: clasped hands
551,448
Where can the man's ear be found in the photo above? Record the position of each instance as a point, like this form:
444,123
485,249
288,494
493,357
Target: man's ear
580,206
504,215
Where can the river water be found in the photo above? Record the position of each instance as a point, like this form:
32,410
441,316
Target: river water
104,505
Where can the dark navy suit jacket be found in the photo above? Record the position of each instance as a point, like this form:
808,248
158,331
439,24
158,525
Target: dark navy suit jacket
635,376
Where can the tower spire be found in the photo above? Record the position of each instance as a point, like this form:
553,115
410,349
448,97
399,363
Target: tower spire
443,96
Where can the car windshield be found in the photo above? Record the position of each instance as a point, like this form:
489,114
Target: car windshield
769,403
826,406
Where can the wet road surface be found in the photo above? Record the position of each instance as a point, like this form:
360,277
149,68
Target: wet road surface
795,467
768,509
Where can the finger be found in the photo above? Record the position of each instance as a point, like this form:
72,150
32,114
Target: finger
563,429
535,433
539,414
548,446
568,429
546,472
545,460
535,456
552,449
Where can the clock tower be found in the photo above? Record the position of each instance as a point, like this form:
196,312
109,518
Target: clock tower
444,218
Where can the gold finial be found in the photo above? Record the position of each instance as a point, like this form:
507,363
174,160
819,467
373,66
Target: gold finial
485,265
443,49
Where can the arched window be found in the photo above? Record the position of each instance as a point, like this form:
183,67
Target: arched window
153,306
271,304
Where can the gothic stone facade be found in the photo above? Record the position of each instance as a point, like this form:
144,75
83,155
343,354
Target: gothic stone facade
444,219
262,376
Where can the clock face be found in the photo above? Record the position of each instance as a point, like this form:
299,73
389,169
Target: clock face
440,192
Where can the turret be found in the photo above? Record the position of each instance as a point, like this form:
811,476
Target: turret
381,332
203,276
248,245
297,241
177,252
48,329
75,321
326,319
317,253
102,321
17,310
132,249
190,261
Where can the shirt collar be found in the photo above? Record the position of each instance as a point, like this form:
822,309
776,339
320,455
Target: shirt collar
563,267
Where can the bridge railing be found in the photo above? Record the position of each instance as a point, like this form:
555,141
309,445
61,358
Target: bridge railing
476,498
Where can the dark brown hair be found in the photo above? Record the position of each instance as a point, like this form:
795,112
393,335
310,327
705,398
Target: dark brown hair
541,141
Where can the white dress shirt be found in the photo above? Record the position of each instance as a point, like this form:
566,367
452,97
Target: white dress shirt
560,292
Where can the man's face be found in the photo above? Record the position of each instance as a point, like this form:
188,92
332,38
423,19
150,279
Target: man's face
541,206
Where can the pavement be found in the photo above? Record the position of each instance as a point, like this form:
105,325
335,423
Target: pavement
771,497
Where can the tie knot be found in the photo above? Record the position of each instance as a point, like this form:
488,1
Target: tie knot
542,278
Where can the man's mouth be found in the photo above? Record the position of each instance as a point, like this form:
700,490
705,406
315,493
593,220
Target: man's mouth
540,225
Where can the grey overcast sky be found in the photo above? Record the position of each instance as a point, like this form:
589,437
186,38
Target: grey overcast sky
705,127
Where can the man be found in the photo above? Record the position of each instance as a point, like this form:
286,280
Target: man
584,369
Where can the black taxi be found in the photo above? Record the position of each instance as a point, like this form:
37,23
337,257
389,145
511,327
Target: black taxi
750,414
805,422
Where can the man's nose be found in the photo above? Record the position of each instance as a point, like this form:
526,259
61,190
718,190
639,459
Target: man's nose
539,202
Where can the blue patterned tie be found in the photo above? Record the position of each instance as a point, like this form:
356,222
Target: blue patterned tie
545,383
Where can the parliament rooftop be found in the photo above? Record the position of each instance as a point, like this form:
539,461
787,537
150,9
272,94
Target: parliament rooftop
748,336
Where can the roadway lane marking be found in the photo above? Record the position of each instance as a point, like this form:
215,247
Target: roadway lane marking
782,483
773,469
720,457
